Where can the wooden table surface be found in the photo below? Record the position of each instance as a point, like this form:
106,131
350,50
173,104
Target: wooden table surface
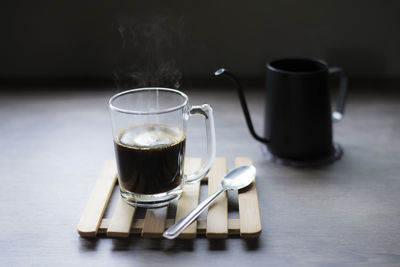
54,142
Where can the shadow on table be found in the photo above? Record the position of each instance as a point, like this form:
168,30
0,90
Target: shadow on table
168,246
252,244
88,243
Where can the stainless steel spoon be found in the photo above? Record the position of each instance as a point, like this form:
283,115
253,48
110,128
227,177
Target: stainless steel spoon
234,180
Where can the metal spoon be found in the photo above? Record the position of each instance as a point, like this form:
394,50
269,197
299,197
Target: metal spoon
234,180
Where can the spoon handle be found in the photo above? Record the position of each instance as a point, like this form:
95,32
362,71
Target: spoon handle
182,224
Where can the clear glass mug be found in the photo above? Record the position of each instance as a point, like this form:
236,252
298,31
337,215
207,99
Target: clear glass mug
149,131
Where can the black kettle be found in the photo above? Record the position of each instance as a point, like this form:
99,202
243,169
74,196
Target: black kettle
298,117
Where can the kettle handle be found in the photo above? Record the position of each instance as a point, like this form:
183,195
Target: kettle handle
243,103
337,115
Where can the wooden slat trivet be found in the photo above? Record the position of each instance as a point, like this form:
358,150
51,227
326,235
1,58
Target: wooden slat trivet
122,223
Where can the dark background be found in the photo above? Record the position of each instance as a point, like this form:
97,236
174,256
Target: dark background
80,42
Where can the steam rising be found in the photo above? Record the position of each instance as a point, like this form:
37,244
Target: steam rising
149,52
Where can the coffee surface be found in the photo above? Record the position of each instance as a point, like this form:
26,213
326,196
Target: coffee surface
150,158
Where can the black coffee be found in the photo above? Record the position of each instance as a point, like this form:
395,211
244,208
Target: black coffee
150,158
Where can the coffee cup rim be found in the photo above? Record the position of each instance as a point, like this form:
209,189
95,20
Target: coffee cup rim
137,112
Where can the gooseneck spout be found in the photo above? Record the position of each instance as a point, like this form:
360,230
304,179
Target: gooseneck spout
243,103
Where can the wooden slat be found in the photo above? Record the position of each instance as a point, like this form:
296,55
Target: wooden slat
137,225
121,220
154,222
201,227
234,226
217,216
103,226
98,200
249,210
189,199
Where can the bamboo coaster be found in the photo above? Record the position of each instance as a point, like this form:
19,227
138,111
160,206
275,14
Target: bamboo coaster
217,225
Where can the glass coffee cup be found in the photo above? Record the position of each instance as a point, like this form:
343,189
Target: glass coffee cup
149,132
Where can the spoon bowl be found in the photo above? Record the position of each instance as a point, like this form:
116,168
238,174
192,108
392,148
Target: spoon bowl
239,178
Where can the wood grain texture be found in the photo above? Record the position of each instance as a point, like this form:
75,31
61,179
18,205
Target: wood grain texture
154,222
121,220
249,210
217,215
189,199
97,203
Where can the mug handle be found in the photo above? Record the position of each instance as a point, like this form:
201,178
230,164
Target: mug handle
337,115
206,111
